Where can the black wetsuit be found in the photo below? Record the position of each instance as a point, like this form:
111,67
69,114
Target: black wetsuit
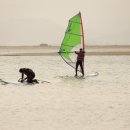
29,73
79,62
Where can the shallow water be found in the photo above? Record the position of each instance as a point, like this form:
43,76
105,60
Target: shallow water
67,103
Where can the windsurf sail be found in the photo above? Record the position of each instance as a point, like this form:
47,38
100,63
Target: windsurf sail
73,40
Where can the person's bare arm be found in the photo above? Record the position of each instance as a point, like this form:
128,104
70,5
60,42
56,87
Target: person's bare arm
22,79
76,52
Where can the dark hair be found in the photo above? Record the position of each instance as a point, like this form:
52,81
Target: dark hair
81,49
21,70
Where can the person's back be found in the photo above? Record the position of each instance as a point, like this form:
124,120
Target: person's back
80,56
29,73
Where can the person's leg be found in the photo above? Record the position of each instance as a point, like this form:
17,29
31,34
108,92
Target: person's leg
81,65
30,79
77,64
35,80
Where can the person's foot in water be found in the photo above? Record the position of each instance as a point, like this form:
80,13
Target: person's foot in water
35,80
82,76
76,75
32,81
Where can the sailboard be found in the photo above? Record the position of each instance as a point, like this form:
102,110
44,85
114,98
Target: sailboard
3,82
73,40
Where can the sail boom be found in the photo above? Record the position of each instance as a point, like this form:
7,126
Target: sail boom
70,64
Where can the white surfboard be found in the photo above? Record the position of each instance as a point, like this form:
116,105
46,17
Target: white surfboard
92,74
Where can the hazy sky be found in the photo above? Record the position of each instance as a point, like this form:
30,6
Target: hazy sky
45,21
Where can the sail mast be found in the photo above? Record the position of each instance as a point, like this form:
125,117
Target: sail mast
82,31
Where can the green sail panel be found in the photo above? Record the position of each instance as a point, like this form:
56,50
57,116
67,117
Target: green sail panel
72,37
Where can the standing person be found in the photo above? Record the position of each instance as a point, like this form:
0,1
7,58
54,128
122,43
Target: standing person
29,73
80,60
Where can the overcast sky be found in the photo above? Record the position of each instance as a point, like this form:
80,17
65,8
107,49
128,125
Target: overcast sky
44,21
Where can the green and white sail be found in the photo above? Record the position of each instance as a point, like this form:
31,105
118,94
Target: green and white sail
73,40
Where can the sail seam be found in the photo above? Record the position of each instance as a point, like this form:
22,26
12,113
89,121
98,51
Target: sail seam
67,45
74,22
73,34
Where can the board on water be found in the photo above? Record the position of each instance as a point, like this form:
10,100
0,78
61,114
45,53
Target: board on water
3,82
87,75
92,74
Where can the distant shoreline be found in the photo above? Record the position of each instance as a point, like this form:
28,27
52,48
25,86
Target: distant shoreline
52,46
56,54
52,50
